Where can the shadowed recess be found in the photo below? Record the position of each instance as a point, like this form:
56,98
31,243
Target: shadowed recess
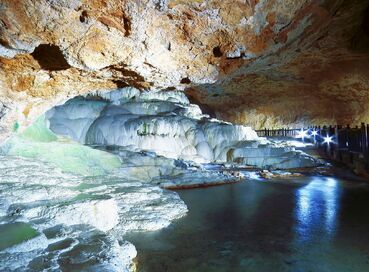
50,58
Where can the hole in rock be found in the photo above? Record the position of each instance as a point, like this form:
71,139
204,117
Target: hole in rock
4,42
185,80
217,52
127,25
120,83
50,58
84,16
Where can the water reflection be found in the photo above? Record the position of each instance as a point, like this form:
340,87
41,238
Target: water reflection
310,224
317,206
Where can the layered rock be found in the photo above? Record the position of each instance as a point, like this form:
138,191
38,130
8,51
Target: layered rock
166,124
259,63
58,221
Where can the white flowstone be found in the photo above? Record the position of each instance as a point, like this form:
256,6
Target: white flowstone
92,213
165,123
75,118
101,214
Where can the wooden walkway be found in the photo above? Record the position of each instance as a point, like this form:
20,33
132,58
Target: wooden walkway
346,144
284,132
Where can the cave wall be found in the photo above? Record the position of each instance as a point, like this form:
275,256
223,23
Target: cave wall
256,62
321,77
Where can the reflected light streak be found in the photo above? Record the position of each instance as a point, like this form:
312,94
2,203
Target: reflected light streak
316,208
331,205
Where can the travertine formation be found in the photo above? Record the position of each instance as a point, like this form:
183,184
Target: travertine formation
72,218
165,124
255,62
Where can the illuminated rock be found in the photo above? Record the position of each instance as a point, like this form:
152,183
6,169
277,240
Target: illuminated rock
78,216
168,125
260,63
101,214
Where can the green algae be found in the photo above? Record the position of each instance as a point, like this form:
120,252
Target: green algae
15,127
39,142
15,233
39,132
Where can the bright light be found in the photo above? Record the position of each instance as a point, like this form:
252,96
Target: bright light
328,140
302,134
314,133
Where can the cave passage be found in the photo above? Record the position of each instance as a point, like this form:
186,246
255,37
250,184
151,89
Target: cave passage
109,165
185,136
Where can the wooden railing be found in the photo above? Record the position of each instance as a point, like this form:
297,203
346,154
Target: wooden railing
344,139
284,132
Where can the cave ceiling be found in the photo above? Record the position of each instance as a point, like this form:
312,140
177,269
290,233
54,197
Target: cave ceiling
255,62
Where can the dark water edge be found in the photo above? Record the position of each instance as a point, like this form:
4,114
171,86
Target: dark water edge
316,223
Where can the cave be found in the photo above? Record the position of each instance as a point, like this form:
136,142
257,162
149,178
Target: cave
217,52
50,58
240,145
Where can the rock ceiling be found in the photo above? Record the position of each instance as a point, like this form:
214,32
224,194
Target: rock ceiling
256,62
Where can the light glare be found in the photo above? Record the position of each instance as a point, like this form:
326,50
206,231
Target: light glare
302,134
328,140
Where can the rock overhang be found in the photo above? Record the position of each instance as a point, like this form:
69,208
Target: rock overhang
261,63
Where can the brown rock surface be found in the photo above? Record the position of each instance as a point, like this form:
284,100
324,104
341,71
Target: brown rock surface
256,62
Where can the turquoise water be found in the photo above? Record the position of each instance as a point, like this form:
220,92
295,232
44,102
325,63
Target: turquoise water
15,233
314,223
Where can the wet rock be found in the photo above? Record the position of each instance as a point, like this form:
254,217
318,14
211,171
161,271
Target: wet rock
278,174
82,220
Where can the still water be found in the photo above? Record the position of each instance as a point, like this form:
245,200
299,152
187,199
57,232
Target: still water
315,223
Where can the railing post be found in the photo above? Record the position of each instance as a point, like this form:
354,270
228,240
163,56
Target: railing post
348,141
317,128
367,140
334,134
364,138
358,139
